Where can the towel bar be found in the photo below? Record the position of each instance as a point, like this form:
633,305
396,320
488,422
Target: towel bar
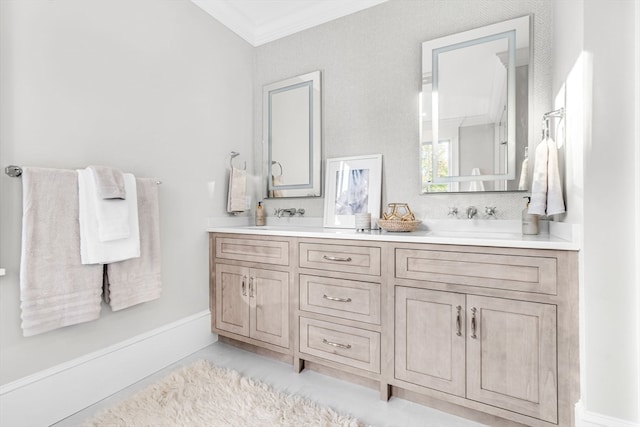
16,171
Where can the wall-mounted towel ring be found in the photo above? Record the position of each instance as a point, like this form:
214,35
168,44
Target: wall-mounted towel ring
546,118
233,155
274,163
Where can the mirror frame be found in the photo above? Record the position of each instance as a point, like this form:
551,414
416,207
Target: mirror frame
311,188
511,30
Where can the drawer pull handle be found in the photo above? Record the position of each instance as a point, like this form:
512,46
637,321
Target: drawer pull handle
474,325
458,322
336,298
336,258
244,286
335,344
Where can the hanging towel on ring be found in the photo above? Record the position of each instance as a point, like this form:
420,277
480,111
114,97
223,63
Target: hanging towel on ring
237,190
546,189
56,290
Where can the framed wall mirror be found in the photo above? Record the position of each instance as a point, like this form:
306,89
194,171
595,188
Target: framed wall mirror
475,109
292,137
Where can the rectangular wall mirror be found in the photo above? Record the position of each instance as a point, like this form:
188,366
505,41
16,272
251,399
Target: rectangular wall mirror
292,137
475,105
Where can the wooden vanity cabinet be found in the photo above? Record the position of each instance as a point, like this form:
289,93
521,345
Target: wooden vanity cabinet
488,333
491,350
339,306
250,291
492,329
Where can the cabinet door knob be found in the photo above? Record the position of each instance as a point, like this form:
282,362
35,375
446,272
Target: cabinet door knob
458,321
336,258
474,325
335,344
330,298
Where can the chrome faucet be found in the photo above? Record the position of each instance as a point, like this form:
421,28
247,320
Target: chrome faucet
471,212
290,211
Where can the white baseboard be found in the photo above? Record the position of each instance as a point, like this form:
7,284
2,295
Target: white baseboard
586,418
56,393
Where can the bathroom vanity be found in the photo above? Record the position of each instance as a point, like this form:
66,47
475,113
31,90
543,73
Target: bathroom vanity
484,327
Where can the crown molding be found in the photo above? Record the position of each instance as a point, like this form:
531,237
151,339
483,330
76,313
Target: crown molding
286,24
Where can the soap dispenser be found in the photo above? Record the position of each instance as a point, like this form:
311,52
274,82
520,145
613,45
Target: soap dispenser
260,220
529,221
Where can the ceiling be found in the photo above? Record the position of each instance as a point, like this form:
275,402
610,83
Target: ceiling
262,21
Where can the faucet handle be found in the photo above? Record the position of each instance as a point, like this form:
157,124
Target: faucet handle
300,211
453,211
490,211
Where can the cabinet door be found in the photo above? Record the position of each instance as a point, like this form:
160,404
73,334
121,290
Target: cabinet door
511,358
269,300
430,339
232,304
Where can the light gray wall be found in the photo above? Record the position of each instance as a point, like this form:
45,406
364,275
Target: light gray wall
371,75
595,64
610,215
155,87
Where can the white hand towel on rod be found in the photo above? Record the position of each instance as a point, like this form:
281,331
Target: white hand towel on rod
112,212
109,182
237,190
92,250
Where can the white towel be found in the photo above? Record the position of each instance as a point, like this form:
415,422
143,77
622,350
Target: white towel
546,190
139,280
237,190
555,199
92,250
56,290
112,212
522,184
476,185
277,180
109,182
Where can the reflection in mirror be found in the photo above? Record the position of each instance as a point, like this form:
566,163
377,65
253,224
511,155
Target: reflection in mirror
292,132
475,105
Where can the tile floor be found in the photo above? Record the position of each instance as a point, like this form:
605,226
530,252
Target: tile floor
361,402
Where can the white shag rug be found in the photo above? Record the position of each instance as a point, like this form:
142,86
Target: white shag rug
205,395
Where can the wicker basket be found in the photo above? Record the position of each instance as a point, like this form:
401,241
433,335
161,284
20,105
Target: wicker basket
398,225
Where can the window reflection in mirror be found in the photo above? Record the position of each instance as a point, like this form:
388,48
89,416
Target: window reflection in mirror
475,104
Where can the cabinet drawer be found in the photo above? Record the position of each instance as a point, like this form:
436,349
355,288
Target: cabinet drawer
344,258
501,271
343,344
263,251
348,299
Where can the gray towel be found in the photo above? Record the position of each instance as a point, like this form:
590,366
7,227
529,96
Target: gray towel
139,280
56,290
109,182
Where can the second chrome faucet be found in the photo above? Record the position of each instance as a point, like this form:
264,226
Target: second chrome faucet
290,211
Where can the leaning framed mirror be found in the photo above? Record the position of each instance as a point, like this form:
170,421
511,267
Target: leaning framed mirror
475,109
292,131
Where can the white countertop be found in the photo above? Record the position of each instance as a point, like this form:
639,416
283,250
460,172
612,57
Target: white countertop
562,237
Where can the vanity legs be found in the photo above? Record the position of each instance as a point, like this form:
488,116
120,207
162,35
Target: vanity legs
385,391
298,365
